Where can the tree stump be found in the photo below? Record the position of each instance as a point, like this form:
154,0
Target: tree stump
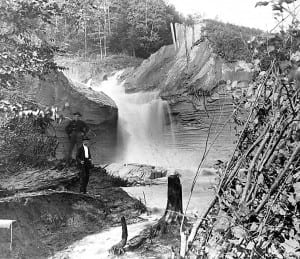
173,215
173,211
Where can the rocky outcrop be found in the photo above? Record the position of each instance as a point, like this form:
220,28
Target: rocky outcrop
97,109
191,66
198,86
136,174
56,90
39,179
95,69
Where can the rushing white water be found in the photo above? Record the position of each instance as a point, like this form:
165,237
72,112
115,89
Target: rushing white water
146,132
145,129
145,135
97,246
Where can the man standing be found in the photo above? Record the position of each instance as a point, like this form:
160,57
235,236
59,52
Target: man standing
76,130
84,161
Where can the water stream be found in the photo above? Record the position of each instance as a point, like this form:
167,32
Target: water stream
145,130
146,135
97,246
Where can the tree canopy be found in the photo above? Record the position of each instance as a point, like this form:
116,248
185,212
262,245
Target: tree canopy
23,47
132,27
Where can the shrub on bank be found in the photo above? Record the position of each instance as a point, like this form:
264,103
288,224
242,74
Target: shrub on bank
230,41
23,142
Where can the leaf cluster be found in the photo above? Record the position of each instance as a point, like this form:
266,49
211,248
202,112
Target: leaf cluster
24,142
23,48
229,41
256,210
137,28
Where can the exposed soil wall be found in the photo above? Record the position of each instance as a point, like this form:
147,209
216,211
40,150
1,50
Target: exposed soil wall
48,221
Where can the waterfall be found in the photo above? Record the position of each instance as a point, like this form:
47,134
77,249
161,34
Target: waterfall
147,133
144,126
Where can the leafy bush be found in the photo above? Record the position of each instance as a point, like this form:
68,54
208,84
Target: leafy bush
228,40
24,142
23,49
255,213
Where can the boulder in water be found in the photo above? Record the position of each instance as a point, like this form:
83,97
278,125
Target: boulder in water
136,173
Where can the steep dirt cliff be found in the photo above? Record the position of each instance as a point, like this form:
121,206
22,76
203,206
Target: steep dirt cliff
197,84
188,66
50,214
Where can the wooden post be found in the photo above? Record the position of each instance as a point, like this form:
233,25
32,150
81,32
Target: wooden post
85,41
176,33
185,45
65,30
11,236
174,205
55,30
100,43
108,18
173,36
124,231
146,16
105,26
193,38
173,214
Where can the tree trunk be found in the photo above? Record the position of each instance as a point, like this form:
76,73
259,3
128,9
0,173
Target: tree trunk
105,26
174,205
173,214
85,41
108,17
100,43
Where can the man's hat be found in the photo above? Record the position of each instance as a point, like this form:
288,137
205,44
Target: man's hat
77,113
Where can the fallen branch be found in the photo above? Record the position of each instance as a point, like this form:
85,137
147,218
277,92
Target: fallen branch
118,248
261,227
252,165
279,179
239,162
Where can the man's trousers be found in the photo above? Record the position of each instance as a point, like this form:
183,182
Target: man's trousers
84,176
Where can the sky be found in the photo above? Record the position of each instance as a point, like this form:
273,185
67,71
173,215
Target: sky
239,12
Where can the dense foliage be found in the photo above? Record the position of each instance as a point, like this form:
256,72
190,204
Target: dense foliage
133,27
24,142
229,41
23,138
256,210
23,48
33,31
24,52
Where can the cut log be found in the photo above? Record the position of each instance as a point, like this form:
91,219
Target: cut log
173,215
174,205
118,249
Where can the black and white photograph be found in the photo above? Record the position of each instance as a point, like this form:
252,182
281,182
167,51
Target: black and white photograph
139,129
